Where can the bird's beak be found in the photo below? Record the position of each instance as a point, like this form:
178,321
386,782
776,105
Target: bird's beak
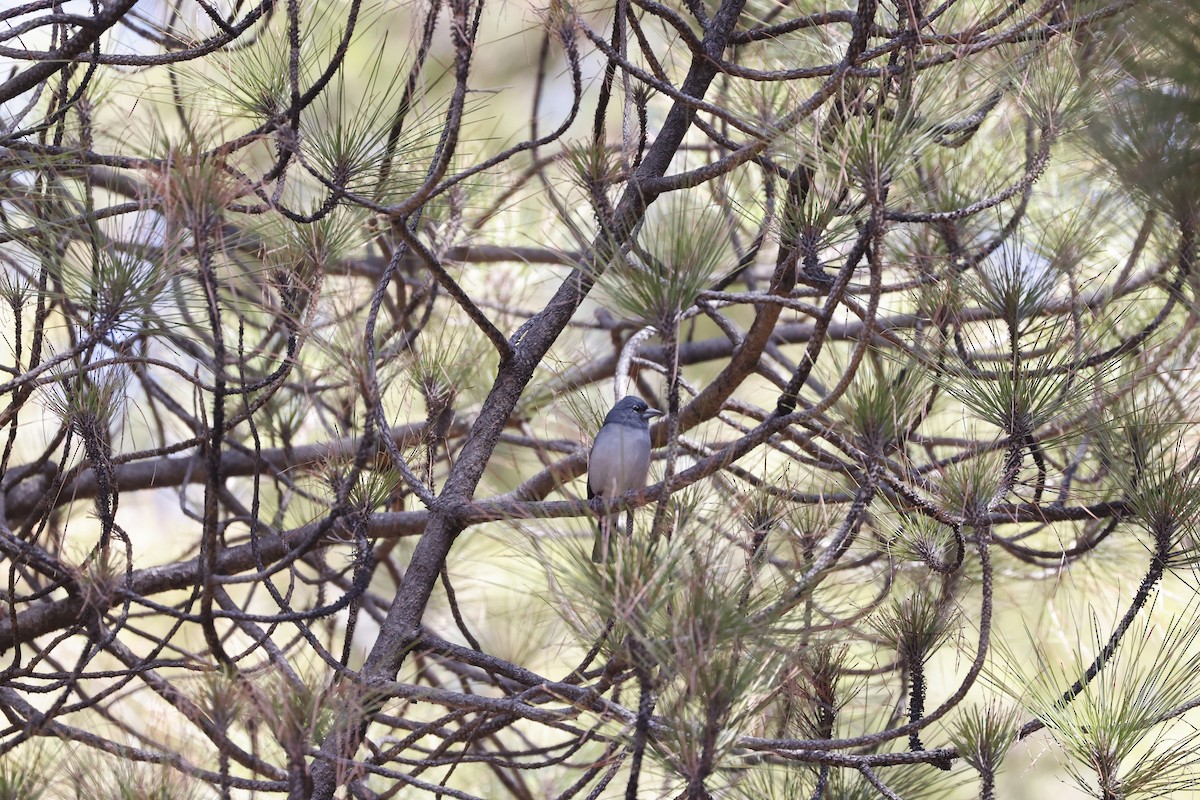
651,413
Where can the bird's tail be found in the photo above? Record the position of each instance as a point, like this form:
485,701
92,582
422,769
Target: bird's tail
606,531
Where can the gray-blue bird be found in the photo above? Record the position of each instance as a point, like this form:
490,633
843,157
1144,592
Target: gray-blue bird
619,461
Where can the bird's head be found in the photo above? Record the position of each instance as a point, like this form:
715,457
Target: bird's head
630,407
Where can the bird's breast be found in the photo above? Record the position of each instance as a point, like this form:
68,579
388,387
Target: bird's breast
619,461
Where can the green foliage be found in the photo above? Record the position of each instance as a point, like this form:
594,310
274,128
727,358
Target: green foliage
298,256
966,231
982,734
251,81
816,690
1120,731
680,249
222,699
1015,285
1025,395
352,139
843,783
193,189
299,709
447,363
24,773
967,488
97,776
687,613
1054,88
882,404
923,539
1154,466
916,625
1149,134
89,399
885,131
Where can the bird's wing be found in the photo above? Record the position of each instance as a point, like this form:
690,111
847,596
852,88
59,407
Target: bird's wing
619,461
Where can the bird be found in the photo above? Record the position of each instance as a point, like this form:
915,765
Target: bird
619,460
